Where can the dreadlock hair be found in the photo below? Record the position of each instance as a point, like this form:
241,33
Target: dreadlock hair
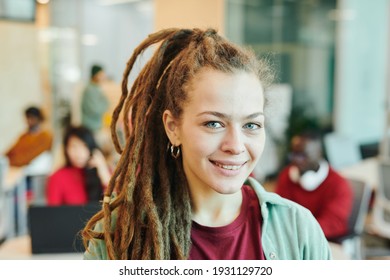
152,202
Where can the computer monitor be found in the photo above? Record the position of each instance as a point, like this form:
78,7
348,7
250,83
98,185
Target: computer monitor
56,229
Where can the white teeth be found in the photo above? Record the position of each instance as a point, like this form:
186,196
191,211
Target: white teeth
229,167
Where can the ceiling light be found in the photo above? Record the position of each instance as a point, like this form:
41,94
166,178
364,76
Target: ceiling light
115,2
43,2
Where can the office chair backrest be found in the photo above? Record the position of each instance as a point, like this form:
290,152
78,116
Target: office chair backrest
352,240
381,207
360,206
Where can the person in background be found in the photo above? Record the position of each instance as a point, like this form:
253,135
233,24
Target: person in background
85,174
310,181
94,103
32,143
181,189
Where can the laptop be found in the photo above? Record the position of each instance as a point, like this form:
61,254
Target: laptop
56,229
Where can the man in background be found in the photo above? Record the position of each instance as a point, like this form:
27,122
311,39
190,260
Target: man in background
310,181
32,143
94,103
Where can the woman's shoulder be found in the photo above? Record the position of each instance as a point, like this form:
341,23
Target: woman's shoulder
283,216
97,249
267,196
271,201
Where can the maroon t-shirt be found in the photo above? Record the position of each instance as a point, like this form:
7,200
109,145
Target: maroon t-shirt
240,240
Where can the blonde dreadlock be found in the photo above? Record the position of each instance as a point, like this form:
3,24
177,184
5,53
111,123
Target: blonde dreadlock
153,205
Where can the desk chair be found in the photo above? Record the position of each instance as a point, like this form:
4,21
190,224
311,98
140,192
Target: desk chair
381,207
352,241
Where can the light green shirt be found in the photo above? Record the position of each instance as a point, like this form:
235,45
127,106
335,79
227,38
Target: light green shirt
289,231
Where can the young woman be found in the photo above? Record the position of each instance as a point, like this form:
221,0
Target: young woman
182,185
85,173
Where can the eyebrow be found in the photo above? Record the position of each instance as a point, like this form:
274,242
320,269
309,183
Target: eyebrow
224,116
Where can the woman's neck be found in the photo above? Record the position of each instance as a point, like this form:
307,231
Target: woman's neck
214,209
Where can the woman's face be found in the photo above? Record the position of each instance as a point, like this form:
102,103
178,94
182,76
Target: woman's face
221,131
78,152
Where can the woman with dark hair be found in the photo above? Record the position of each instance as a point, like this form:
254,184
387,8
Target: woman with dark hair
85,174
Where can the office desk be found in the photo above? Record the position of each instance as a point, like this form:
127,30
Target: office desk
19,248
367,170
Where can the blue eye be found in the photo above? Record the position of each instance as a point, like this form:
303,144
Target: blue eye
252,126
213,125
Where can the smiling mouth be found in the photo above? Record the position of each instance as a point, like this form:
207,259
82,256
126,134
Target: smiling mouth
228,166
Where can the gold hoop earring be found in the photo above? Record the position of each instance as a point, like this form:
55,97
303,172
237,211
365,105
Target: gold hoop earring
175,153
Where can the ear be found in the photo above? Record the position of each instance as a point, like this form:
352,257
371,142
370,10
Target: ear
171,126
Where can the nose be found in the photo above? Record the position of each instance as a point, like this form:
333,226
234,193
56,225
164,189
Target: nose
233,141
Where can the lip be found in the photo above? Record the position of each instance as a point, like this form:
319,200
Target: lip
228,168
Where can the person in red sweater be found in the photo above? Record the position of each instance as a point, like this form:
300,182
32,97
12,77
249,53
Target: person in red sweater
85,173
310,181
